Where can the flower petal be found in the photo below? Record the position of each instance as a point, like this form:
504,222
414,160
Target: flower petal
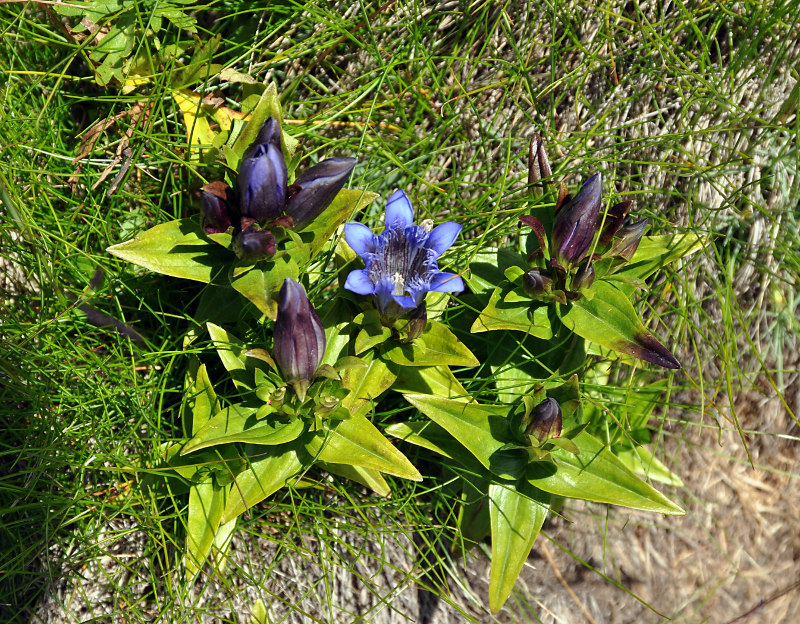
360,238
399,212
406,302
447,282
442,236
359,282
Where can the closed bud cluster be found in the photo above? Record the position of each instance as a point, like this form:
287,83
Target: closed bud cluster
266,202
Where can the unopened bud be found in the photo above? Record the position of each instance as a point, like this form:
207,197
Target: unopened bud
576,222
299,338
537,282
628,238
546,421
584,278
253,244
315,189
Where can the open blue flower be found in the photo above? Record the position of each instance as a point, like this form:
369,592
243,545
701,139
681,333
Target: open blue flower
402,262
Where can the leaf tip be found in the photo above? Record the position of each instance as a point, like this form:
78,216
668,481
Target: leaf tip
648,348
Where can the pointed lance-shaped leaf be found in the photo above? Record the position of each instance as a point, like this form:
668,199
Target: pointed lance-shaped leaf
538,229
263,176
314,189
576,222
299,338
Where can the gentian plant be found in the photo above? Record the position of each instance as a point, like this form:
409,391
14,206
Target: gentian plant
297,394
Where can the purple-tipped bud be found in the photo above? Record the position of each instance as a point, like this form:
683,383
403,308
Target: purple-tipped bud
538,164
614,220
537,282
546,420
576,222
253,244
584,278
315,188
628,238
263,176
299,341
214,209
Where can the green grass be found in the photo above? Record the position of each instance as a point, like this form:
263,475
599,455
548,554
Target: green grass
440,103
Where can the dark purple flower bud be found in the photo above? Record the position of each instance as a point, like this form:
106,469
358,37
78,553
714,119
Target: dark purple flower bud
584,278
537,282
546,420
253,244
628,238
214,214
574,228
214,209
538,164
299,341
262,176
314,189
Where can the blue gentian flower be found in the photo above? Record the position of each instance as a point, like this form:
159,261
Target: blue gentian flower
402,262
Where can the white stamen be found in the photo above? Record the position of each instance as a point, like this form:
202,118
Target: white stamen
427,225
399,285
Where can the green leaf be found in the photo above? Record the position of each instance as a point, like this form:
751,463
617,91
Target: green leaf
610,321
177,248
516,515
366,384
437,346
506,311
264,476
239,424
365,476
222,541
231,352
262,282
597,475
428,435
369,336
191,470
206,502
642,461
268,106
357,442
482,429
205,403
435,380
655,252
316,234
336,317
